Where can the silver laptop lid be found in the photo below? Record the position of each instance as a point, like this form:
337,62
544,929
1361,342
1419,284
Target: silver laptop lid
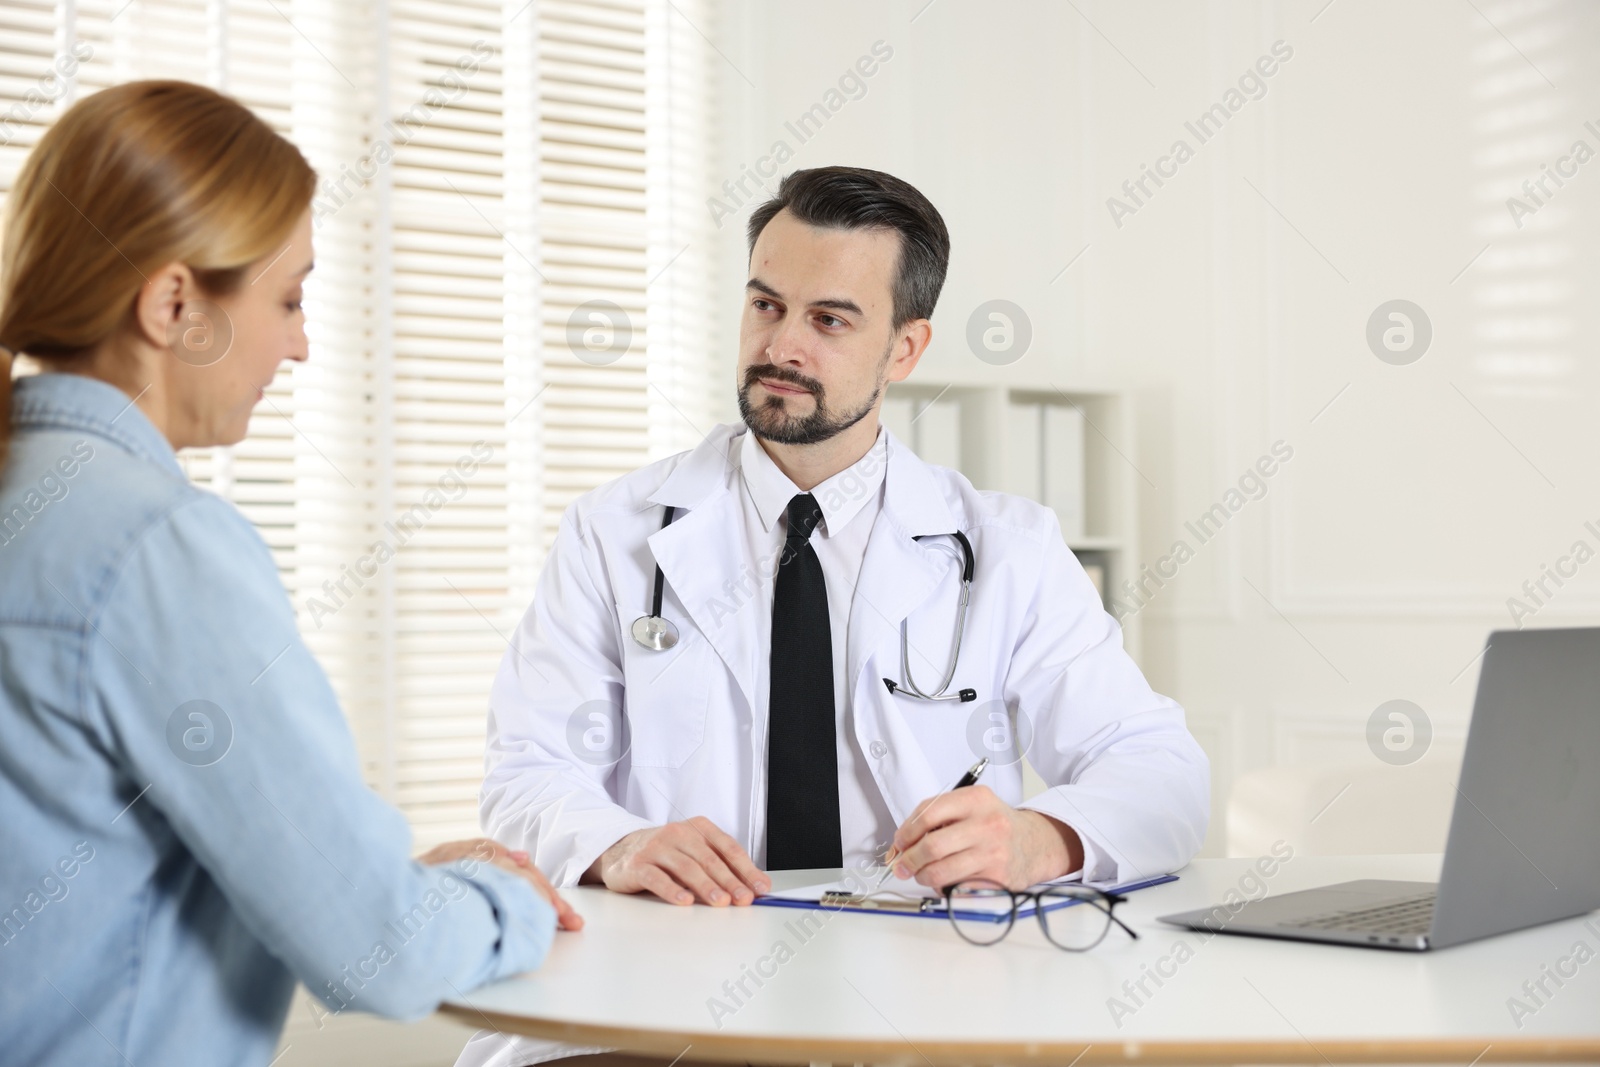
1523,845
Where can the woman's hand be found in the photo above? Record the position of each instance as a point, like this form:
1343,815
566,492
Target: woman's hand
484,850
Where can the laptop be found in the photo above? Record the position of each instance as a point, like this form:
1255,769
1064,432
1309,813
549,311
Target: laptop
1521,849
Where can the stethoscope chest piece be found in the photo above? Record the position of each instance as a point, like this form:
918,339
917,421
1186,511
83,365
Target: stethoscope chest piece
654,632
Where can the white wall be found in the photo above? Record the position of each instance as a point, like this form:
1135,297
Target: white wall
1234,304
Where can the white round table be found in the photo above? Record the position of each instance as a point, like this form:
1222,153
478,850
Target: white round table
852,988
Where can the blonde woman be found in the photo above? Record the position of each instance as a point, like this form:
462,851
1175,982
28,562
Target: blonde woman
185,832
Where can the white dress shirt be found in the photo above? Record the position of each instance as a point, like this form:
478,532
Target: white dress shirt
850,502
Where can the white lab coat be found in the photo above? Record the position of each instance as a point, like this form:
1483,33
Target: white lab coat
1123,769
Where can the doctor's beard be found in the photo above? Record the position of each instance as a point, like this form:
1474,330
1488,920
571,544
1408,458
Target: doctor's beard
772,422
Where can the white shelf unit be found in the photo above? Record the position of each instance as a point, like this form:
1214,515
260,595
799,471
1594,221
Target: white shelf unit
983,451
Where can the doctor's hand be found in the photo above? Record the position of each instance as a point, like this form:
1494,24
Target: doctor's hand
486,851
971,833
681,862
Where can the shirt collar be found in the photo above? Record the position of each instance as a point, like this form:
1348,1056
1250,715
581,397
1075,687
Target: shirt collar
840,497
78,402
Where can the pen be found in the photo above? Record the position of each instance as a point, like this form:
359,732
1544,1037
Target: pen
970,778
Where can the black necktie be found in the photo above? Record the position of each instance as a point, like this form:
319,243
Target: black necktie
802,761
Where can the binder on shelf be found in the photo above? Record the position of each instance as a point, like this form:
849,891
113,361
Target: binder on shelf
930,428
1024,451
937,430
1045,460
896,414
1062,467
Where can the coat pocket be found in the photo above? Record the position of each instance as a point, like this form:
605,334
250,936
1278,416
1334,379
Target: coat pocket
666,700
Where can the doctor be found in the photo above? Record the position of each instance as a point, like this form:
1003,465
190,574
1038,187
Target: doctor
781,729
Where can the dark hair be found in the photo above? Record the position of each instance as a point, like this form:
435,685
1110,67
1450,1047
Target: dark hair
853,198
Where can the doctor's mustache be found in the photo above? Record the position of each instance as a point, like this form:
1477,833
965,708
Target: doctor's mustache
756,373
772,421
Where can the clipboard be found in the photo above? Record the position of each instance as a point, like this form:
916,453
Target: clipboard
934,907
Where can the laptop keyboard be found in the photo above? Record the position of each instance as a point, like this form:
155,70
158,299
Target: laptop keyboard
1408,916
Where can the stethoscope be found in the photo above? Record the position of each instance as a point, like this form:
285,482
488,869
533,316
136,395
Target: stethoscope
652,631
909,687
658,634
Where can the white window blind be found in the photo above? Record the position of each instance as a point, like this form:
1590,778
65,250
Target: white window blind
512,305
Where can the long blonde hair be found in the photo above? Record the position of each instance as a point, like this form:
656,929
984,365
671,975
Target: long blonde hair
129,179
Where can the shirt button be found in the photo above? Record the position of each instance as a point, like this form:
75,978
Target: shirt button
878,749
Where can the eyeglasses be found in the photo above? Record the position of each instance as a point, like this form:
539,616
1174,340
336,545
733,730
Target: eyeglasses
1073,917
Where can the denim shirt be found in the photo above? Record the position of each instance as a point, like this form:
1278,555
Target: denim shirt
184,830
